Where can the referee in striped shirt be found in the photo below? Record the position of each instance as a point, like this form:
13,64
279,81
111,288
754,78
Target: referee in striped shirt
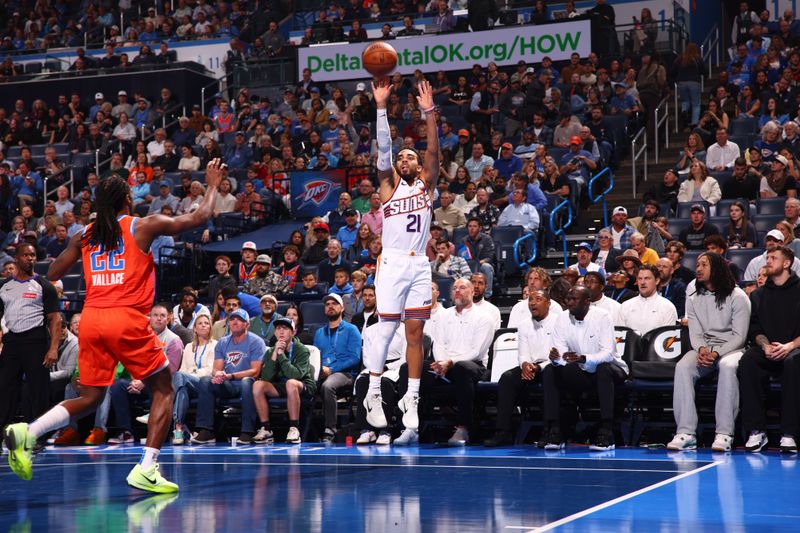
29,304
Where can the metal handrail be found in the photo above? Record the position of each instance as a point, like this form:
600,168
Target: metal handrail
602,196
710,44
70,182
635,156
677,107
523,263
565,204
663,120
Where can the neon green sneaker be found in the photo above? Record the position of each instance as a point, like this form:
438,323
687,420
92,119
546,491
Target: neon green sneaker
150,480
144,514
20,445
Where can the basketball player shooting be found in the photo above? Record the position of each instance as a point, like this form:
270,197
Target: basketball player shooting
403,276
120,289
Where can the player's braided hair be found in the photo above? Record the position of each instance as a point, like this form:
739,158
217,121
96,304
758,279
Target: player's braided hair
110,199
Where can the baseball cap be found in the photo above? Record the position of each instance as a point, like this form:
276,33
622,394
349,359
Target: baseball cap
264,258
773,233
463,133
239,134
621,84
782,160
332,116
284,321
584,245
575,140
350,212
314,90
361,86
697,207
322,226
250,245
30,233
269,297
619,209
241,314
122,93
98,96
436,225
529,70
507,145
335,297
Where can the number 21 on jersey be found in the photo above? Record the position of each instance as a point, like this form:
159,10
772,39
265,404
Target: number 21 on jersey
414,223
111,261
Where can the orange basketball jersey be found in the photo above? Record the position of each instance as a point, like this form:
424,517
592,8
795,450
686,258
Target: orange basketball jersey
124,277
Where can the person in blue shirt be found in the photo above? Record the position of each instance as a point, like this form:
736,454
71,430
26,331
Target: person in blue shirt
141,190
577,163
447,140
238,358
347,234
534,194
339,344
622,103
507,164
240,155
27,186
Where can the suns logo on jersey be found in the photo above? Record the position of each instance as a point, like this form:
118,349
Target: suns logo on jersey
400,206
233,358
317,191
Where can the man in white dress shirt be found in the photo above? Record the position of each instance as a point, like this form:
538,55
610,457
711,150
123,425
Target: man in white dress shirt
585,358
479,285
595,282
535,343
722,153
649,310
537,278
461,339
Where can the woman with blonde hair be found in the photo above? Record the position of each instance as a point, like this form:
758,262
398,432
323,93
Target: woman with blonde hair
694,149
789,240
699,187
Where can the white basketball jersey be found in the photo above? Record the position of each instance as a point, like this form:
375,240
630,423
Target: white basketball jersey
407,217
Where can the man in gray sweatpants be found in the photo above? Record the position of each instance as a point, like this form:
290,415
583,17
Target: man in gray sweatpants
719,315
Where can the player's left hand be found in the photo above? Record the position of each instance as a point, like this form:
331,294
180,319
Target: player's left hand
425,98
50,358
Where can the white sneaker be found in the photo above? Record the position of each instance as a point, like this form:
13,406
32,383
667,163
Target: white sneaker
126,437
178,437
460,437
683,441
757,441
408,405
788,444
264,436
376,418
384,439
407,438
366,437
293,437
144,419
722,443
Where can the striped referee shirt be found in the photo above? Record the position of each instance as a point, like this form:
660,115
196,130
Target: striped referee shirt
26,304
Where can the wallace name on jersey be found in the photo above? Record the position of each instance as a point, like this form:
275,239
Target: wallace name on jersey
107,279
400,206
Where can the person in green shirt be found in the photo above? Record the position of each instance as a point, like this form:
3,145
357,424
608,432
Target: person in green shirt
365,190
286,373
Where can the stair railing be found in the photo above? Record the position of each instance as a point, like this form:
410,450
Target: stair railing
602,196
662,117
639,139
521,261
561,231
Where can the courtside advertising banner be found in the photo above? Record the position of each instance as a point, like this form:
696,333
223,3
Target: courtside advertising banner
453,51
317,192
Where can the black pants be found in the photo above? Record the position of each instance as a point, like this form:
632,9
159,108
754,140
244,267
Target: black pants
511,385
754,372
388,393
572,379
462,377
18,359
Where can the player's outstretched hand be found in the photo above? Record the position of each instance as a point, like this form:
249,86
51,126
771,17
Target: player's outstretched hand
213,174
425,98
380,91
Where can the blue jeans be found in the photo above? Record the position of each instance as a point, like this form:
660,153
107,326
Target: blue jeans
207,394
100,415
186,386
120,401
689,95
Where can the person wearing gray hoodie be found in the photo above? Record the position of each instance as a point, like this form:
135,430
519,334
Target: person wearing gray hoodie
719,315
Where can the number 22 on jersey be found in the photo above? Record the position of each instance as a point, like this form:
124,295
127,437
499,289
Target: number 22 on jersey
108,268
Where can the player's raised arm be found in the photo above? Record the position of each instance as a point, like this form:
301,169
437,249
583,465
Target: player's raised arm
380,93
151,226
425,101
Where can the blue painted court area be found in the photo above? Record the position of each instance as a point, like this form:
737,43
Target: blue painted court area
370,489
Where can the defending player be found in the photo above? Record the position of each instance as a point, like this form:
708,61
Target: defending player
403,276
120,288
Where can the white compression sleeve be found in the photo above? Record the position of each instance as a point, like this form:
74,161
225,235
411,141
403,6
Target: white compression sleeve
376,358
384,139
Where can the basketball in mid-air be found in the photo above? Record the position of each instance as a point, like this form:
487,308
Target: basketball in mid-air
379,58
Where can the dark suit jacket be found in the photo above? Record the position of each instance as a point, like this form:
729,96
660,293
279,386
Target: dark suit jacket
358,320
611,259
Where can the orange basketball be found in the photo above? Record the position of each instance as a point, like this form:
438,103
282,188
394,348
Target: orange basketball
379,58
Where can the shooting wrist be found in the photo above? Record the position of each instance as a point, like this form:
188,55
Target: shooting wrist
428,110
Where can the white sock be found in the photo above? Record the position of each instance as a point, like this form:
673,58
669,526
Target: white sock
149,457
374,384
413,386
55,418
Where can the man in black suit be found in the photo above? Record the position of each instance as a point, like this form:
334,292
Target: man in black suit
367,316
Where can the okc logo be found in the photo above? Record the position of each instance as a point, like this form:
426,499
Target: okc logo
317,191
234,358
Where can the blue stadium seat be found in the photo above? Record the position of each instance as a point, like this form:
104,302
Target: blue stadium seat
722,177
507,234
742,257
37,150
83,160
458,234
675,226
690,259
743,126
445,289
771,206
766,222
13,151
724,206
313,313
61,148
